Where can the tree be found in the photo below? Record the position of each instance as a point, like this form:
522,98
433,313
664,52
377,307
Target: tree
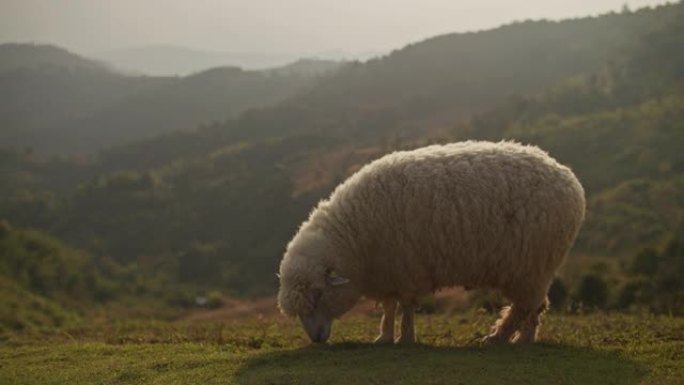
558,294
592,292
645,263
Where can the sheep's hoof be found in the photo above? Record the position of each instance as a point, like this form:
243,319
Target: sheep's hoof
521,339
406,340
382,339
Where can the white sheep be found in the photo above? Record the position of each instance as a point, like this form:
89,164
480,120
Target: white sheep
476,214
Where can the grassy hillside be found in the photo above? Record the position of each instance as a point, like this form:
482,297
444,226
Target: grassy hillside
23,309
46,285
583,350
43,283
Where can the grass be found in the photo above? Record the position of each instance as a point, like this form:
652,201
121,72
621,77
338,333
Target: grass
589,349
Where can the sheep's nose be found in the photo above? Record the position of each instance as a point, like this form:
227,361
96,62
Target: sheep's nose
316,327
322,335
318,336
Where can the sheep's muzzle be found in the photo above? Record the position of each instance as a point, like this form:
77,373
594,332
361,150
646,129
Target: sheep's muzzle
317,326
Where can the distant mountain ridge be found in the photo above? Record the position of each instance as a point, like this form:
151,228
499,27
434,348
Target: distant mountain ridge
169,60
438,81
57,102
44,87
15,56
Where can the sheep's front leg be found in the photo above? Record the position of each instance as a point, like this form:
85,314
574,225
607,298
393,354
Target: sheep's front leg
408,333
386,336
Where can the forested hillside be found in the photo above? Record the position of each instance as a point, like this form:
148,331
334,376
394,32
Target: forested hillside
622,130
43,87
58,103
215,207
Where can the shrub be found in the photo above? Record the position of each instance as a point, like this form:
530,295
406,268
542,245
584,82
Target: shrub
635,291
558,294
214,299
5,228
180,298
489,300
645,263
592,292
428,305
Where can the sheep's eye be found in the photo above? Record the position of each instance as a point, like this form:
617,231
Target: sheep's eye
332,278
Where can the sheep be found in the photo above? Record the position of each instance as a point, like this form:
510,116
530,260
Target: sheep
475,214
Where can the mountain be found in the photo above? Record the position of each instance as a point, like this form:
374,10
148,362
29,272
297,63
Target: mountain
44,87
169,60
436,82
446,79
58,103
307,67
181,103
215,206
427,87
622,131
22,56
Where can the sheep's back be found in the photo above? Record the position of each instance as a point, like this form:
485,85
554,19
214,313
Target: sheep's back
473,213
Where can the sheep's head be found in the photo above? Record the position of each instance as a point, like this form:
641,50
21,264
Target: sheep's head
313,287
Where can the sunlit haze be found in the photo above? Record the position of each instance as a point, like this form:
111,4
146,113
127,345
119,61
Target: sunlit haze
293,26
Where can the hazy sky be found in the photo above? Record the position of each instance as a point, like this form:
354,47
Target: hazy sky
302,26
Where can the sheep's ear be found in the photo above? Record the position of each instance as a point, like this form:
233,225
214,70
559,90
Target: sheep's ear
335,279
278,275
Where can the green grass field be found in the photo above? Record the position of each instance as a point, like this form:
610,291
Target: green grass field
587,349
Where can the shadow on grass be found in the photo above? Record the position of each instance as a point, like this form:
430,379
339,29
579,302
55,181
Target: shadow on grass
422,364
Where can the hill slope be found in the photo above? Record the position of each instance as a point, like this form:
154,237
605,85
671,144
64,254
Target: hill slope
43,87
169,60
59,103
183,104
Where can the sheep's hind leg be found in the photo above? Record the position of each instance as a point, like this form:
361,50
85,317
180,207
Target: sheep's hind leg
386,336
528,330
408,333
504,328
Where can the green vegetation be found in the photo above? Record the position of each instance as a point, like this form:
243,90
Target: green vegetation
22,309
593,349
46,285
43,283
